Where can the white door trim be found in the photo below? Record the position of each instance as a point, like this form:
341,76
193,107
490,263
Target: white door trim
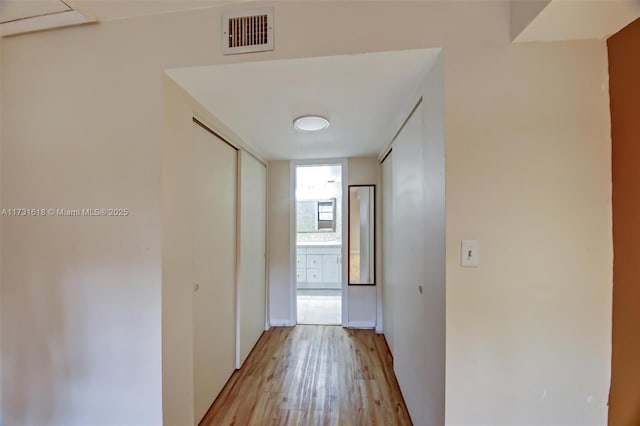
293,319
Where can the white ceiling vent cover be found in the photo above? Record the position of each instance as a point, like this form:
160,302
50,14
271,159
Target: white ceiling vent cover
247,31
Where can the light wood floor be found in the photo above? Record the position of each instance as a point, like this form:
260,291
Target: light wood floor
313,375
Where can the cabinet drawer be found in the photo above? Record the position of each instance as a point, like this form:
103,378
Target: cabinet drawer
301,275
314,261
314,275
301,261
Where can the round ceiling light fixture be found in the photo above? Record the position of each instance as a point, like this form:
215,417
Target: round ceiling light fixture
310,123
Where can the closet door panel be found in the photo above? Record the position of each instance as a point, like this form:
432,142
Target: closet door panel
252,289
408,256
214,264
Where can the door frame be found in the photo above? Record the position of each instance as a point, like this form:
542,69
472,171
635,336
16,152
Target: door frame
293,314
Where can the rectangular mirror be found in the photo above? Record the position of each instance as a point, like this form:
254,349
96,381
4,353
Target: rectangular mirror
362,256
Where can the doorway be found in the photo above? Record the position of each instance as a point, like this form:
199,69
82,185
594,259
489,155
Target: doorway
319,244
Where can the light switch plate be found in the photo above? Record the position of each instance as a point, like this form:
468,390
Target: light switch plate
469,253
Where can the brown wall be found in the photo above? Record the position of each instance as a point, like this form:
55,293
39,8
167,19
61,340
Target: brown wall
624,74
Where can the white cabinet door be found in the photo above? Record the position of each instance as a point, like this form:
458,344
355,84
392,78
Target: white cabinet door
331,268
314,275
214,263
314,261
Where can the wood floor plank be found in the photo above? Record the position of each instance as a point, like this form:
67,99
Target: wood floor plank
316,376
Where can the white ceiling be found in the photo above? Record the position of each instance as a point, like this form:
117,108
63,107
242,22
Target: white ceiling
366,97
12,10
577,20
24,16
109,10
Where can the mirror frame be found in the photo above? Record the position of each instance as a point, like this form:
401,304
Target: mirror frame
373,281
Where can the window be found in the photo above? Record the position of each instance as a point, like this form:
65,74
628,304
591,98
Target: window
327,214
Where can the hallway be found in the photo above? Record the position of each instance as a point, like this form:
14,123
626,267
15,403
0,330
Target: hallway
313,375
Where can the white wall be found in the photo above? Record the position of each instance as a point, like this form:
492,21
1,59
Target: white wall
529,175
528,171
81,295
362,300
177,259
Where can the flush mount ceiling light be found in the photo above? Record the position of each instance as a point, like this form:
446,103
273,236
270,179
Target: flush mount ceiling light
310,123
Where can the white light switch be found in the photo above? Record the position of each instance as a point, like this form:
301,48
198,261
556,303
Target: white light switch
469,253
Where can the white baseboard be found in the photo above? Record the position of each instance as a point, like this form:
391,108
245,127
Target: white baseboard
280,323
361,324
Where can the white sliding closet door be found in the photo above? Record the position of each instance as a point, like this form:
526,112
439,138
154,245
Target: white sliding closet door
253,225
409,343
414,255
214,263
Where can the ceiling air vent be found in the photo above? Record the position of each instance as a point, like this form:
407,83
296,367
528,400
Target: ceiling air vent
247,31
